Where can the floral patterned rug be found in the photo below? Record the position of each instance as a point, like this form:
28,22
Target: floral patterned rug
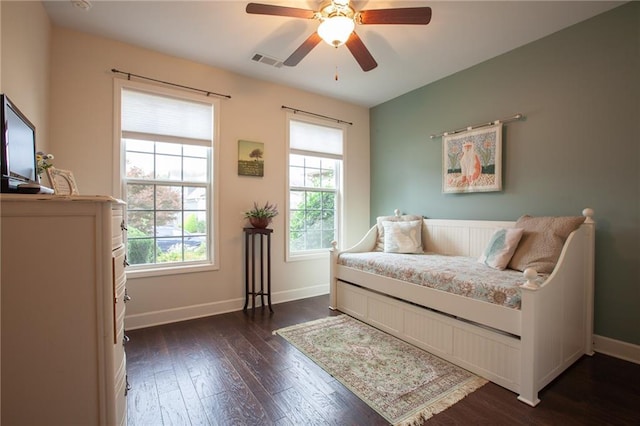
404,384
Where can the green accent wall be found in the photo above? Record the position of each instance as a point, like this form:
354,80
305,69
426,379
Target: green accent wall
578,146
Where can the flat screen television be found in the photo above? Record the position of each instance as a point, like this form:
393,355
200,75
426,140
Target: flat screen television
18,146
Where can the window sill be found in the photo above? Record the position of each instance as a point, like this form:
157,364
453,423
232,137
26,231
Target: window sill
170,270
320,254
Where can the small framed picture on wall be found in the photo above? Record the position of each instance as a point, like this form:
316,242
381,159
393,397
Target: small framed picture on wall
250,158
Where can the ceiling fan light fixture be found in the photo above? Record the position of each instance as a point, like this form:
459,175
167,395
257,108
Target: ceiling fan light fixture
336,30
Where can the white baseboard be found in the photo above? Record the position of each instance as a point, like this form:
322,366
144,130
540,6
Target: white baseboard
166,316
616,348
302,293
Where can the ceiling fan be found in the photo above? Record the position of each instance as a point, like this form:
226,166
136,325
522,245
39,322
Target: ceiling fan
337,23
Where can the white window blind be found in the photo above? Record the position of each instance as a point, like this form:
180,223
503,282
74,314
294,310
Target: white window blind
310,137
157,117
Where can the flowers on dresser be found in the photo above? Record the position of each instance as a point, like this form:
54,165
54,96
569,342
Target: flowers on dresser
44,161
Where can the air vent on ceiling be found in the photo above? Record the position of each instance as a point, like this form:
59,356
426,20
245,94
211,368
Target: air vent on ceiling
264,59
82,4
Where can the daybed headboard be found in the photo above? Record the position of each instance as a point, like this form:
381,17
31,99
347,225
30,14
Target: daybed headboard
459,237
467,237
451,236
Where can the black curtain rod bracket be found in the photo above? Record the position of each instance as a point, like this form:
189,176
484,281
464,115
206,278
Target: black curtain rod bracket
295,111
205,92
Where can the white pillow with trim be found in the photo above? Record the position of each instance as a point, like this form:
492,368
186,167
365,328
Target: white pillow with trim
380,239
403,236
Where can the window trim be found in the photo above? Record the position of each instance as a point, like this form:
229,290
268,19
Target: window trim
318,253
119,181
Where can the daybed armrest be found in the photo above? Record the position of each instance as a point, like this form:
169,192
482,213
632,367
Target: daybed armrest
367,243
587,227
557,316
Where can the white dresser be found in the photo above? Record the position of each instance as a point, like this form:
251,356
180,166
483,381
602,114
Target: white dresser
63,308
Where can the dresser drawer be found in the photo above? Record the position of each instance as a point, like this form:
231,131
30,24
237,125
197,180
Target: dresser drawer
119,275
120,395
118,290
119,311
118,226
119,346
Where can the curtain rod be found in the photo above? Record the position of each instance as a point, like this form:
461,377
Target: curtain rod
516,117
206,92
295,111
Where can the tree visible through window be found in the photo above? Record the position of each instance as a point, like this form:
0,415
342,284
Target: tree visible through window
167,178
312,205
167,221
315,163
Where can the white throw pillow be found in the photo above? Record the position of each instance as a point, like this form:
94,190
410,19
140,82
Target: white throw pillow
501,246
403,237
402,218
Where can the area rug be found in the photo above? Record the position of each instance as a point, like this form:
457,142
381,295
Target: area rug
403,383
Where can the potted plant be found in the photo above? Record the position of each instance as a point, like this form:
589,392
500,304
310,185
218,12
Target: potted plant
260,217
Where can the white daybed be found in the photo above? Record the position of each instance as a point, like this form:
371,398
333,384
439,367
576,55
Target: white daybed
520,349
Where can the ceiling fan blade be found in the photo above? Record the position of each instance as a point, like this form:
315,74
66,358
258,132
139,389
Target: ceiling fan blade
408,15
361,53
303,50
268,9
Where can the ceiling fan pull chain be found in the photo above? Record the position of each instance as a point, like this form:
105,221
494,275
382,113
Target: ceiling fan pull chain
336,56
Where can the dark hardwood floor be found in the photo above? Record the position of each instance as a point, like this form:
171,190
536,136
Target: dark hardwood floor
231,370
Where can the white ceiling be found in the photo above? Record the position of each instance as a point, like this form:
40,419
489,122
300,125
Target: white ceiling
220,33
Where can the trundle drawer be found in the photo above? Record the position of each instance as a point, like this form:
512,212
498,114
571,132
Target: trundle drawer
492,355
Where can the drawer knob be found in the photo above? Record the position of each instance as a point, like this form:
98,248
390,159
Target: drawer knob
127,387
125,340
126,296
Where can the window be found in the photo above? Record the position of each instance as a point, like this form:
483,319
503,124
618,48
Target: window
167,178
315,167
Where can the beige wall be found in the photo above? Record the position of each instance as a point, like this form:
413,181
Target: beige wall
82,136
26,34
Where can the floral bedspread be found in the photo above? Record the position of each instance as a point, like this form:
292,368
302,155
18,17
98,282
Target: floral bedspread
460,275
